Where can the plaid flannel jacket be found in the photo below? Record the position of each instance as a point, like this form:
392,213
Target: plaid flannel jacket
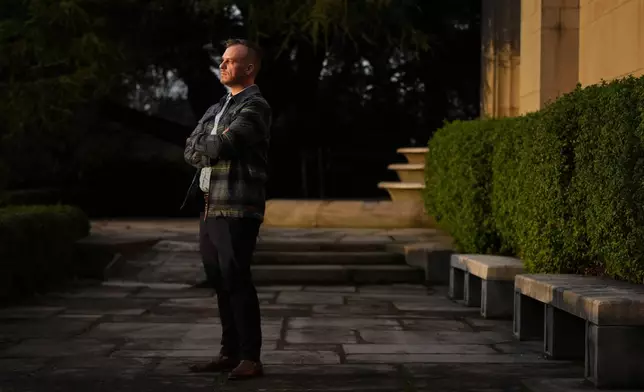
238,155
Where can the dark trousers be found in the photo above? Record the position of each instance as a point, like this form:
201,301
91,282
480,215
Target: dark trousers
227,246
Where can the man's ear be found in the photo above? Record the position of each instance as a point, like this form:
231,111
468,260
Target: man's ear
250,69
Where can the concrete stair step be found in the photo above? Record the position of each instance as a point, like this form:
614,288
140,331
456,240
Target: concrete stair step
409,172
414,154
308,245
404,191
407,166
336,274
327,258
288,245
401,185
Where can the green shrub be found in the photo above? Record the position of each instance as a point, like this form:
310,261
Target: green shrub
508,199
458,184
553,240
609,176
37,247
562,188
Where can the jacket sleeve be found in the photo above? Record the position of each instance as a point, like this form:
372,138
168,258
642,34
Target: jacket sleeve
250,126
190,154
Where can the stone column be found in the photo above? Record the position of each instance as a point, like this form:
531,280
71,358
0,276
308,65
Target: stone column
549,51
500,57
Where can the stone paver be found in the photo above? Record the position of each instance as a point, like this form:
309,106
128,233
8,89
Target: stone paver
133,336
383,351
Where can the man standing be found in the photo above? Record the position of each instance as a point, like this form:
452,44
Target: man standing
229,146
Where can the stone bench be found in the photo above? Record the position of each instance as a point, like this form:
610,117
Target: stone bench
595,319
485,281
432,256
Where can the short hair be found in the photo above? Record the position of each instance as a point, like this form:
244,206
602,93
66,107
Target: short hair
255,50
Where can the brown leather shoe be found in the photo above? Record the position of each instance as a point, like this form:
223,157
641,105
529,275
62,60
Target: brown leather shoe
246,369
220,364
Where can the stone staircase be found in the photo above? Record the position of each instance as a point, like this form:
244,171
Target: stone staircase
284,255
410,174
353,261
325,260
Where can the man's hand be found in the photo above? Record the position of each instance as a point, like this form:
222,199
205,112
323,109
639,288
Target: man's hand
250,126
199,160
190,155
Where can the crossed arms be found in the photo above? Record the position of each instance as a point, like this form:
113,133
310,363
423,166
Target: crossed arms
250,126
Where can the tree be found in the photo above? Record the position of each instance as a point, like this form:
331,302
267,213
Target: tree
368,73
54,59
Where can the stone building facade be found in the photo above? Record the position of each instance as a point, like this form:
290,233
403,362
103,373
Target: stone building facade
535,50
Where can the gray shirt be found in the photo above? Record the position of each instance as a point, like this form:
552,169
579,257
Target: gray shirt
206,172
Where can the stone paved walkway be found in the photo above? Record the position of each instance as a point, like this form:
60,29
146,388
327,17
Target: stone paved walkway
187,230
132,336
284,255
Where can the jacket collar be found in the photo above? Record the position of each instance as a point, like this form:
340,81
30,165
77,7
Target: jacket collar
246,93
249,91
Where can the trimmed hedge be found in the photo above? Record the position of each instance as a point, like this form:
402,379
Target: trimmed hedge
562,188
508,181
610,176
460,184
551,239
37,247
